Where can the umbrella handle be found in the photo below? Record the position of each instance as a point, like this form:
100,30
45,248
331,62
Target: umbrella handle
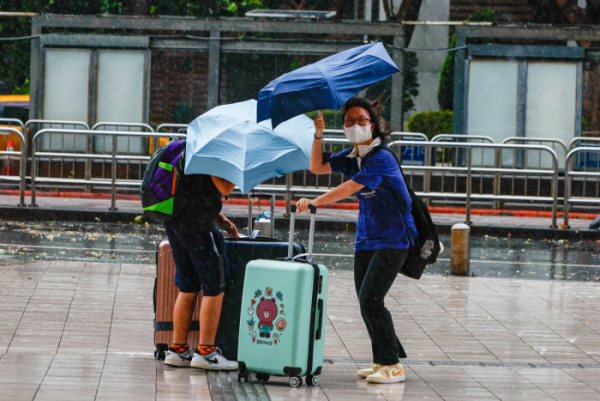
325,156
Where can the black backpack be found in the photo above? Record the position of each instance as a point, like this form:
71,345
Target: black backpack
427,245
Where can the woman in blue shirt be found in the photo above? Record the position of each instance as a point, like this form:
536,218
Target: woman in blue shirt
384,231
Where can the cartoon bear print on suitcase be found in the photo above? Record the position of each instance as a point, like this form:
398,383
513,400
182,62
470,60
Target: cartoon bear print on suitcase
269,325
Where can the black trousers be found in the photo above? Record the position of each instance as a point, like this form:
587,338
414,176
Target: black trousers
374,274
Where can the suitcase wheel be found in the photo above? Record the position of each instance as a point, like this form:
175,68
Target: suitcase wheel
159,355
295,381
263,377
242,375
312,380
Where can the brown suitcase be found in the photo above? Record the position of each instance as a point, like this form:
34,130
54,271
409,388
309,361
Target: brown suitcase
165,293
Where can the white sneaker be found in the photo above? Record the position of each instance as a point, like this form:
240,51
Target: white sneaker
214,361
182,360
368,371
388,374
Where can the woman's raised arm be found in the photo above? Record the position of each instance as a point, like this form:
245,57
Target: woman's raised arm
316,157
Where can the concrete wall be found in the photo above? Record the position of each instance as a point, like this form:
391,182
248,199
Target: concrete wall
430,63
427,37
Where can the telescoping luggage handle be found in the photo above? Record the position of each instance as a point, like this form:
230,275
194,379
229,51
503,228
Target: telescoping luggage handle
311,233
257,198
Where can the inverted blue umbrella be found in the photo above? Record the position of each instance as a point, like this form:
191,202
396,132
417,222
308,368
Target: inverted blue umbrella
227,142
326,84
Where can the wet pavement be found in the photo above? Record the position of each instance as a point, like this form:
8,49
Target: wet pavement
132,243
136,243
75,330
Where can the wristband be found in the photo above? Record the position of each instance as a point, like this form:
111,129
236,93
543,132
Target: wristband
318,137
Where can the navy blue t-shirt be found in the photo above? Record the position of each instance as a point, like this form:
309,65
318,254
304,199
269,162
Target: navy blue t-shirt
384,218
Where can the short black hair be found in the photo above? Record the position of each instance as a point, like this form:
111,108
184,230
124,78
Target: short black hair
380,130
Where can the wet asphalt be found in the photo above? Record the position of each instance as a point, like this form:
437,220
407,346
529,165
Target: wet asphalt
136,243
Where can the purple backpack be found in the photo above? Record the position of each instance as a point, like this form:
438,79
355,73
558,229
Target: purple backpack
161,198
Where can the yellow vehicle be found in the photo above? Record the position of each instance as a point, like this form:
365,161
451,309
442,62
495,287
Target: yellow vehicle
13,106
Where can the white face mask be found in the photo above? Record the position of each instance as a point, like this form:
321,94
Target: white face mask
358,133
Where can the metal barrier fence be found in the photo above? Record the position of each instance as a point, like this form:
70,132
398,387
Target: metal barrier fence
168,129
461,177
455,177
22,155
179,128
462,138
528,157
114,157
33,126
59,124
11,122
139,146
588,161
571,173
469,170
448,156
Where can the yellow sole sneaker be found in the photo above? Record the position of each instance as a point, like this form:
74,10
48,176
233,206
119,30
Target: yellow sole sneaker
387,374
366,372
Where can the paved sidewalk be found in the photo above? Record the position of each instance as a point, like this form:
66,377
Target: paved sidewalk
83,331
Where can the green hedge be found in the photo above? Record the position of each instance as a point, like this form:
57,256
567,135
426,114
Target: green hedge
431,123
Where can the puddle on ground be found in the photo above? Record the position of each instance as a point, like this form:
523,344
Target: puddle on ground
136,243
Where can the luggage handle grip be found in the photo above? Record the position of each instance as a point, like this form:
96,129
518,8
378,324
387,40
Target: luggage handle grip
320,329
259,196
311,233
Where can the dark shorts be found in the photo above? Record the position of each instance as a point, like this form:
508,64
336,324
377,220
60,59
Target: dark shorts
198,265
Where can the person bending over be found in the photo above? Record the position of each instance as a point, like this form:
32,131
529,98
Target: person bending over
199,252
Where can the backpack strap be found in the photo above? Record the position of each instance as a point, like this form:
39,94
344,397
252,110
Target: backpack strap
377,149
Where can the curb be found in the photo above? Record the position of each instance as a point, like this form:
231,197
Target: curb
341,206
302,223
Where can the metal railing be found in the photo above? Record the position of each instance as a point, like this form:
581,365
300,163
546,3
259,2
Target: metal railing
168,128
22,155
35,125
126,126
529,159
448,156
570,173
461,138
140,146
114,157
466,174
62,124
460,177
455,178
180,128
10,122
588,161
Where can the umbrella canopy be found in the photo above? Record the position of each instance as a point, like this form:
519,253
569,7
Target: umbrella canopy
227,142
326,84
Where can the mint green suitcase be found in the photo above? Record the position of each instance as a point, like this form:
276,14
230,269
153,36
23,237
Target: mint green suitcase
282,325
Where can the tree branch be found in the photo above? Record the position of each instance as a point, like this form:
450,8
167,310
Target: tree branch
409,11
386,7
